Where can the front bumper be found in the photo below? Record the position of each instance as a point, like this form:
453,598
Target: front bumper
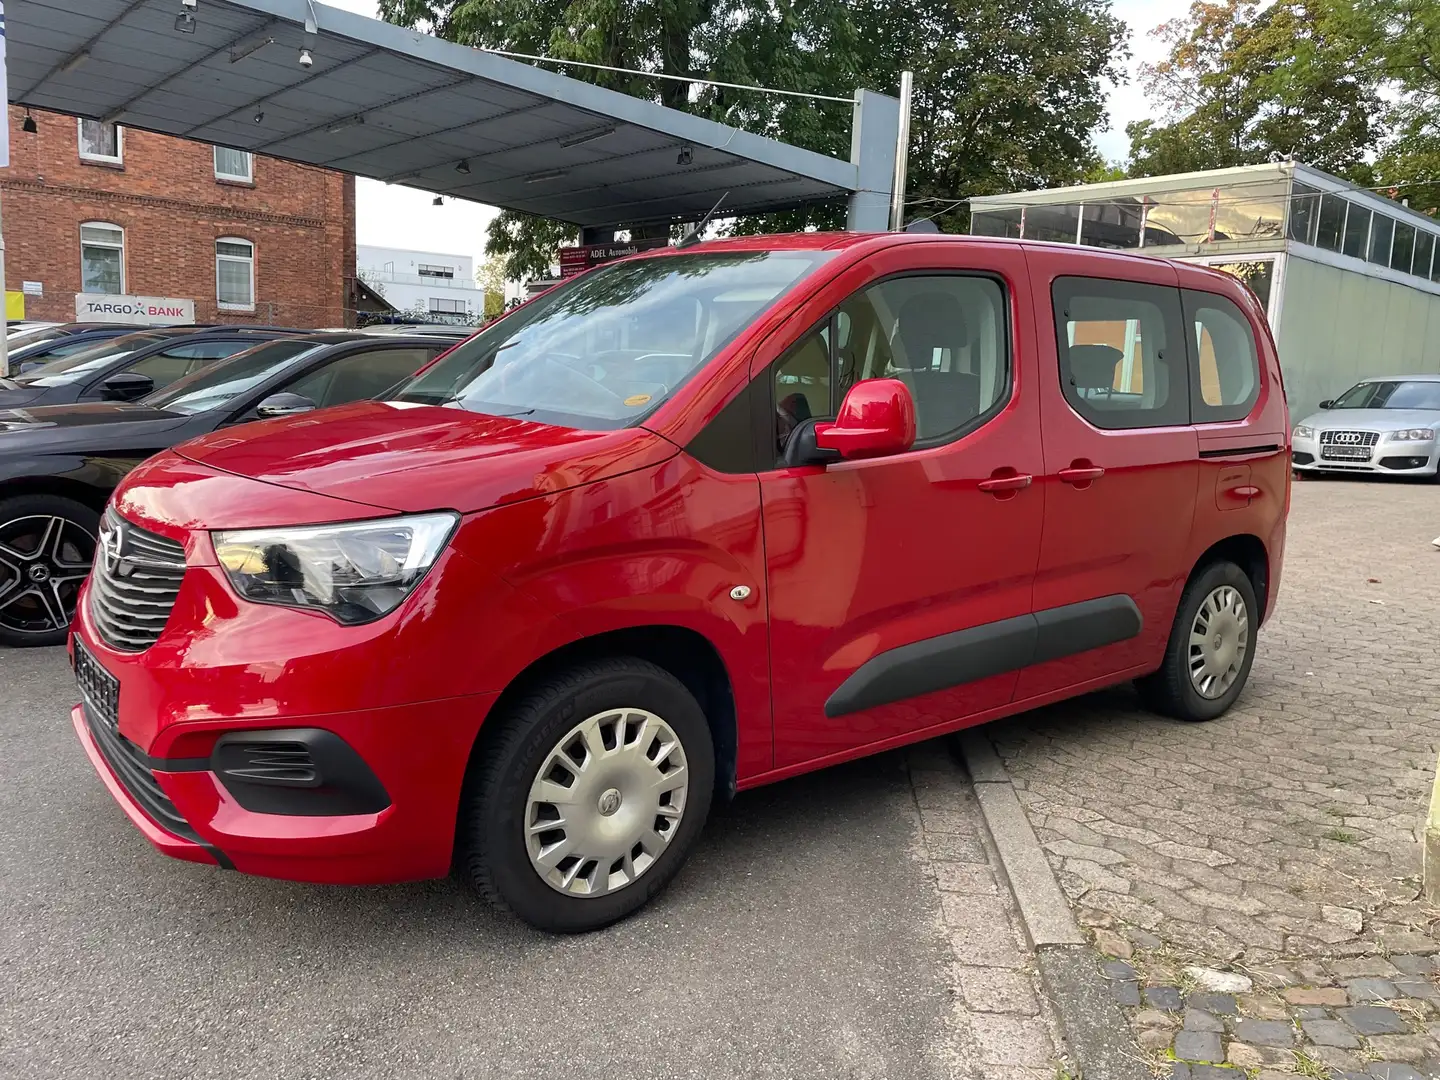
186,810
1386,459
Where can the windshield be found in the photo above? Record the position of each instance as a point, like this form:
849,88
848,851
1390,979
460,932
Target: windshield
1394,394
79,365
216,384
605,349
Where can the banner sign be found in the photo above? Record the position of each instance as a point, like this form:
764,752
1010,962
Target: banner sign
140,310
576,260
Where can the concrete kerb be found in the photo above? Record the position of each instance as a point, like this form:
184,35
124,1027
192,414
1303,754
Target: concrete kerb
1097,1033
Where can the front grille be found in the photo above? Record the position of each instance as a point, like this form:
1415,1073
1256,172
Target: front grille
134,583
132,769
1347,445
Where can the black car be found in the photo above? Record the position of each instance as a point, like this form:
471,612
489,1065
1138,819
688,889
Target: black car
27,355
130,367
59,463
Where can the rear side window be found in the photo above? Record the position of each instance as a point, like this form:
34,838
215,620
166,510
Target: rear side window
1122,352
1225,374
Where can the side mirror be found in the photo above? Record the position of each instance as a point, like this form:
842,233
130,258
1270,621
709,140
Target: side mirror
877,418
1328,403
283,405
127,386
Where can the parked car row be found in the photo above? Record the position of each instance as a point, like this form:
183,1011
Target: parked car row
74,421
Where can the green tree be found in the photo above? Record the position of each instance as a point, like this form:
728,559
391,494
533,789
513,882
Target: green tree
1243,80
1007,91
1398,41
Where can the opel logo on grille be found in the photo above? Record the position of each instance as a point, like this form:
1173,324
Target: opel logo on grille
112,549
1351,437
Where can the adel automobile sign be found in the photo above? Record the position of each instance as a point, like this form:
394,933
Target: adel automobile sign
140,310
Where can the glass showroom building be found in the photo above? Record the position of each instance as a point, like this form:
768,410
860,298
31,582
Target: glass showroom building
1350,279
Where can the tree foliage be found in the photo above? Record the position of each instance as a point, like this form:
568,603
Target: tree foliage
1398,41
1243,80
1007,92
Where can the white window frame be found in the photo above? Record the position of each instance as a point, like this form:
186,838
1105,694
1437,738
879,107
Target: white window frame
457,307
121,246
103,159
226,305
435,272
248,177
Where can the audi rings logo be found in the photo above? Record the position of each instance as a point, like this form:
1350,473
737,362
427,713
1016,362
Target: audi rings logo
1349,437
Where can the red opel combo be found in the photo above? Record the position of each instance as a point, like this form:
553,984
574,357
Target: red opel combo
686,524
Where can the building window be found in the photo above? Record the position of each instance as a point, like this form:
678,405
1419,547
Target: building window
235,273
446,273
447,307
102,258
103,143
235,165
1424,250
1382,234
1330,226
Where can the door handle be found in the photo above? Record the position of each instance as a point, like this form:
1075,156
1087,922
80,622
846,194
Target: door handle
1078,474
1002,484
1245,491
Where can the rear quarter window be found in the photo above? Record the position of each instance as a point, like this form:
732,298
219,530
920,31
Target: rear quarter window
1225,363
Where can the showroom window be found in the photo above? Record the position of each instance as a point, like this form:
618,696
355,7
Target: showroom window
234,165
101,143
102,258
235,273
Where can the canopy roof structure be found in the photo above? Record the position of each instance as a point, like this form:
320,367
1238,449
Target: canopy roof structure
381,101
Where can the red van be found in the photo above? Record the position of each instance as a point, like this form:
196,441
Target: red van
686,524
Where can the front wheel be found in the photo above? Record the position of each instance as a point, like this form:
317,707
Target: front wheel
586,796
47,543
1211,648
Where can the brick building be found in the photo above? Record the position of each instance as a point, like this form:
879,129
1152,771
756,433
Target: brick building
91,208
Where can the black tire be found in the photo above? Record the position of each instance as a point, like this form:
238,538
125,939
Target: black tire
28,617
491,849
1170,690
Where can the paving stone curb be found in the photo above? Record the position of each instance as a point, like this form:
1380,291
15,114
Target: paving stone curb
1097,1034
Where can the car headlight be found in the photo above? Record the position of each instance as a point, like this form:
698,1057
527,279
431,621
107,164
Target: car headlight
1418,434
1303,432
355,572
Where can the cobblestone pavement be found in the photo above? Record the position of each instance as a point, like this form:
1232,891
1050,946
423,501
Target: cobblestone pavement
1256,879
1003,1029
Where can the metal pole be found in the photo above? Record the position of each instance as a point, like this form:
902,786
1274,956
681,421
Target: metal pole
902,152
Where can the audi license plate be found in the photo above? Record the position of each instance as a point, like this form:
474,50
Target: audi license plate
98,687
1336,452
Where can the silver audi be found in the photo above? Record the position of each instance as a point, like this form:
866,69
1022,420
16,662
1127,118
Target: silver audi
1385,425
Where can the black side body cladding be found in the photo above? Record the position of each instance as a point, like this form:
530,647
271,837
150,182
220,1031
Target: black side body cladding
939,663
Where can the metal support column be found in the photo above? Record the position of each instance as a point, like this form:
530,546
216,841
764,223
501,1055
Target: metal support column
873,138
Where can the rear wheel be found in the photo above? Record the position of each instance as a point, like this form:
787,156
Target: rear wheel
1211,647
47,544
586,796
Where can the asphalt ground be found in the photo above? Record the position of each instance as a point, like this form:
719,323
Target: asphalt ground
803,939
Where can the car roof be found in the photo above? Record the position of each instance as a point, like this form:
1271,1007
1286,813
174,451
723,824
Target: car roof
340,337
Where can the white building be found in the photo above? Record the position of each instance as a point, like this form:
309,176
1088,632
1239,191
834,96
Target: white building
438,288
1350,279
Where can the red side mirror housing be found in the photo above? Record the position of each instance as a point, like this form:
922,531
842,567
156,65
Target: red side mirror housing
877,418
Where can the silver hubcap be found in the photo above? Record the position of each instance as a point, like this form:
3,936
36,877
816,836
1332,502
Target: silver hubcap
605,802
1219,639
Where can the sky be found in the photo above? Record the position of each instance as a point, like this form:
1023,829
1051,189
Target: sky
396,216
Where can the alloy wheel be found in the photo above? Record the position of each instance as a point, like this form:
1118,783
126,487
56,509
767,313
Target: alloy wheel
606,802
43,561
1219,639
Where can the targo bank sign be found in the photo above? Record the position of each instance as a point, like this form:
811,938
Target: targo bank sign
140,310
